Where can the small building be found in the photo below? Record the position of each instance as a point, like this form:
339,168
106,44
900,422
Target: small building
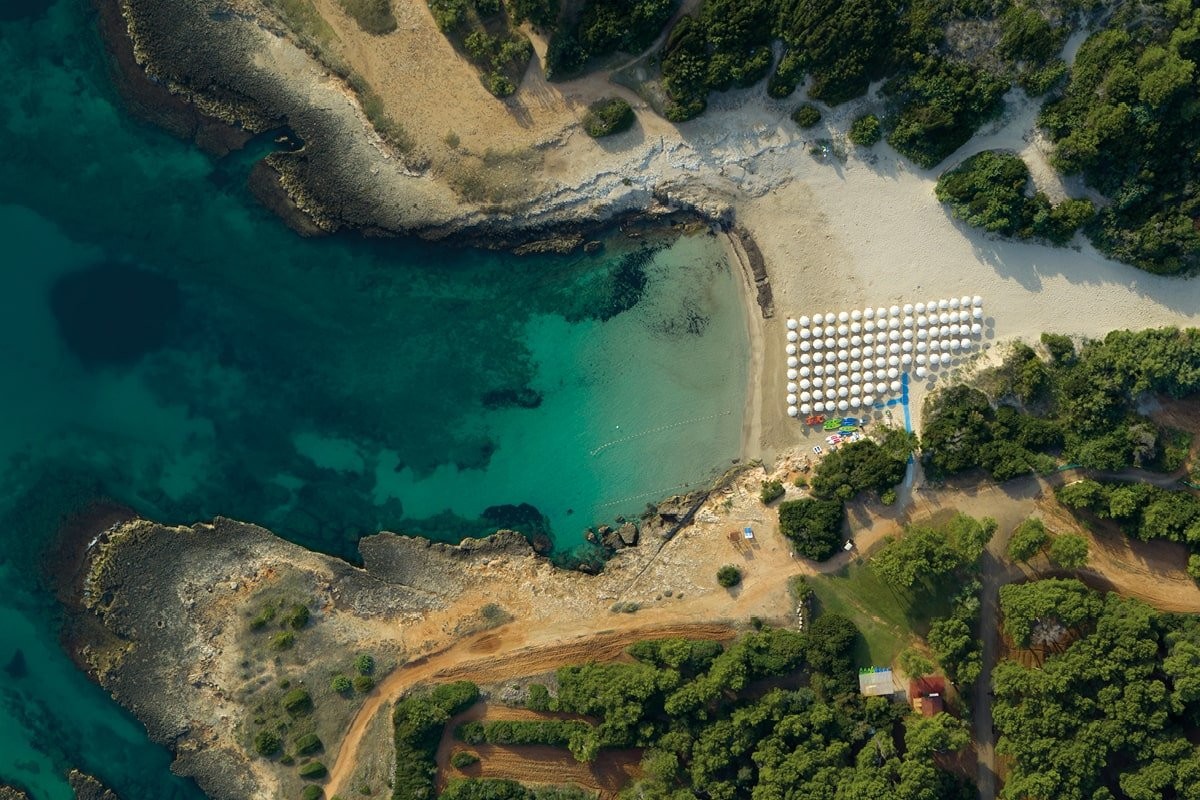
876,682
927,695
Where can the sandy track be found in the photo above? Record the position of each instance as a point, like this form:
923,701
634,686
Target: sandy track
456,663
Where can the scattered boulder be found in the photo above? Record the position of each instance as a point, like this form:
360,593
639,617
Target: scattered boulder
628,534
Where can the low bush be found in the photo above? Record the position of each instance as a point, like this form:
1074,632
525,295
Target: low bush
364,665
284,640
363,683
267,743
806,116
552,732
373,16
297,616
1069,551
539,698
341,684
609,116
463,759
312,792
313,770
771,491
263,617
729,576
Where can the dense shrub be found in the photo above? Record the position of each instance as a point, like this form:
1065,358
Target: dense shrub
267,743
297,616
297,701
1028,539
540,13
418,721
463,759
448,14
373,16
865,465
606,117
729,576
284,640
771,491
539,698
307,744
988,191
1069,550
814,526
312,792
806,116
866,131
313,770
341,684
364,664
552,732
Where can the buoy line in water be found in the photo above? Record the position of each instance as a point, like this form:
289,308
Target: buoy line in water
656,493
631,437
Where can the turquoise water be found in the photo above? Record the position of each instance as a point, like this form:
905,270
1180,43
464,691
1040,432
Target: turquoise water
167,343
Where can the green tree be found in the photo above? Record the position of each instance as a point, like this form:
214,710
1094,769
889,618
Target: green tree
866,131
1028,540
267,742
914,664
1069,550
813,526
729,576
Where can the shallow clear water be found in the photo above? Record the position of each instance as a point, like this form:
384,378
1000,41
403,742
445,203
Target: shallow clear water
167,343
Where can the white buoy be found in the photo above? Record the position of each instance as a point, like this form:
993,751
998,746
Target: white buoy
921,372
793,361
792,374
791,399
792,324
945,359
843,316
792,336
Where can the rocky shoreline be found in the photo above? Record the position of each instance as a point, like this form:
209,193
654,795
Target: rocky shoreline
195,68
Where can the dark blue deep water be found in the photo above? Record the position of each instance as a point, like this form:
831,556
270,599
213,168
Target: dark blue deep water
166,343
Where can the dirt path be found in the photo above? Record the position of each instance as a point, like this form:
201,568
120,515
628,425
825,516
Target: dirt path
505,660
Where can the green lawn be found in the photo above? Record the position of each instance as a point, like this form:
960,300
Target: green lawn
887,618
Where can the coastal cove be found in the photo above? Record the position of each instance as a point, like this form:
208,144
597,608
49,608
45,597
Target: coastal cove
171,345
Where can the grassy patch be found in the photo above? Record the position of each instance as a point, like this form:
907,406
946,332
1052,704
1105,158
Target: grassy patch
302,17
887,617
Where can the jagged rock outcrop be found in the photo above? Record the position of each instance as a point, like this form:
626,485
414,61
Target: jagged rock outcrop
88,788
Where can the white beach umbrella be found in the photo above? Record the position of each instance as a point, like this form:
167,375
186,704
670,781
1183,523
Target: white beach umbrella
964,301
805,384
894,311
805,347
818,332
843,343
935,345
881,388
868,338
790,349
805,358
856,365
855,352
894,323
893,373
965,343
818,394
907,334
869,313
805,372
894,347
806,408
855,390
954,329
894,336
818,319
906,359
856,315
855,402
952,302
868,376
843,366
896,386
791,387
868,400
881,313
855,341
818,370
792,324
792,336
843,330
843,405
943,304
830,343
919,308
791,399
793,411
843,316
856,327
793,361
944,331
908,308
805,322
976,329
921,359
943,318
818,407
945,359
868,326
880,363
977,301
792,374
893,361
843,355
843,380
922,347
881,349
906,347
922,372
908,322
805,333
843,391
922,334
977,313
